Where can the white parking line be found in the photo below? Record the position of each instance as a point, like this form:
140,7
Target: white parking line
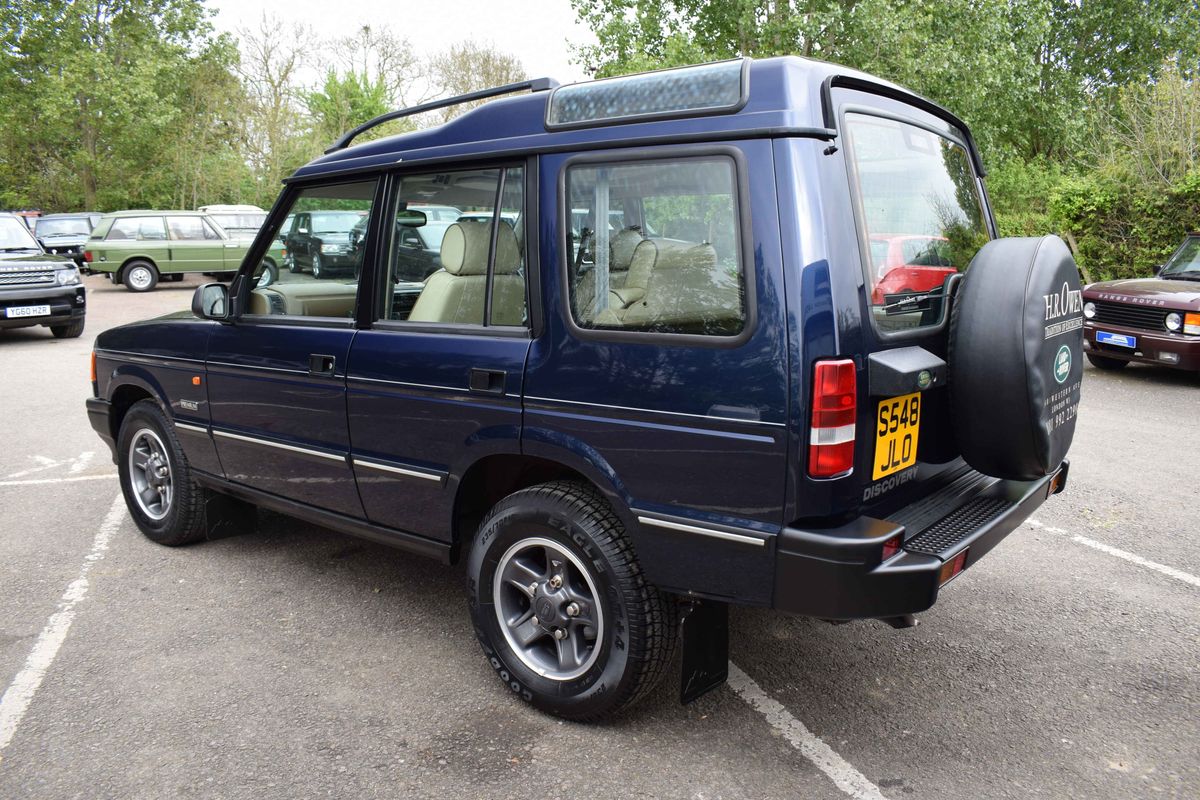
1133,558
846,777
43,481
19,694
80,464
43,465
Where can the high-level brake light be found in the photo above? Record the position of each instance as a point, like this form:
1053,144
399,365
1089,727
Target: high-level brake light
834,408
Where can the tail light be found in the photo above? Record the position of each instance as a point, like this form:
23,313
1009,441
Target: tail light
834,408
87,256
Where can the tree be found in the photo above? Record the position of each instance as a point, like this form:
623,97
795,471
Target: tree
90,125
470,66
344,102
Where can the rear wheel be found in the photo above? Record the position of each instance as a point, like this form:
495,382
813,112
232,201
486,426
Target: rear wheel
1100,362
561,607
164,501
140,276
72,330
269,275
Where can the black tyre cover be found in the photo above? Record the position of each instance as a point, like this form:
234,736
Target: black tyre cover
1016,357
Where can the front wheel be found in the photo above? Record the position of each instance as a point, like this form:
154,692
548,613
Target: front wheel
72,330
561,607
1100,362
164,501
316,265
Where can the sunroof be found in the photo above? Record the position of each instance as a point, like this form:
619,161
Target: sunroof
687,91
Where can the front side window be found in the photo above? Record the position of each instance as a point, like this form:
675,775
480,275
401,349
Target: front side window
450,260
919,204
654,247
320,250
138,229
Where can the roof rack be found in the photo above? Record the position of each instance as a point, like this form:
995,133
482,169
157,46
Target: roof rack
535,85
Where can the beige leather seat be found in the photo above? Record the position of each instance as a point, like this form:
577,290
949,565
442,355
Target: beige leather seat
621,248
457,292
677,285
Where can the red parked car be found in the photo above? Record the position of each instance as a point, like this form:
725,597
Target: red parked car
907,264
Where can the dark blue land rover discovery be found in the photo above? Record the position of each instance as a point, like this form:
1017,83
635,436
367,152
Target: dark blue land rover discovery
651,377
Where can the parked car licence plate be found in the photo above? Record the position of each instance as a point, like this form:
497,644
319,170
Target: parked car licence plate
28,311
1119,339
897,423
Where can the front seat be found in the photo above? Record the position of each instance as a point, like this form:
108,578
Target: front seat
456,293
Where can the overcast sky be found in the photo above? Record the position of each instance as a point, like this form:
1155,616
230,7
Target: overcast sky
539,32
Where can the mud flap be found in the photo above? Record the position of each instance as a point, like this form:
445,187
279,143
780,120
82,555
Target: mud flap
705,632
226,516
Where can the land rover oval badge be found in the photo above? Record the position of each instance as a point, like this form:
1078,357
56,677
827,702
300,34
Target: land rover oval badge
1062,364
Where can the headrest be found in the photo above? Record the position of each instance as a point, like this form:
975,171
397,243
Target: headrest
465,248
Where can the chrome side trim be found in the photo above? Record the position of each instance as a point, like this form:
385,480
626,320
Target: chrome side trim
291,448
183,426
412,473
655,411
679,526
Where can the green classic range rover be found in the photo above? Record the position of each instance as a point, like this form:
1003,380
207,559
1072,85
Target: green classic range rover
138,248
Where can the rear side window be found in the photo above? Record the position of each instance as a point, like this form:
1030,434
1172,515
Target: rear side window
654,247
137,229
921,214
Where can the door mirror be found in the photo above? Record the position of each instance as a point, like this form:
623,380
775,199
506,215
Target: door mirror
211,301
301,230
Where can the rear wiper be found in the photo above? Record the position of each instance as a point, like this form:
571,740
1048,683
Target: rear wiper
912,299
18,249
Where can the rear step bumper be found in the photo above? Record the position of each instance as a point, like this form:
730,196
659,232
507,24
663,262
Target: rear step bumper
836,573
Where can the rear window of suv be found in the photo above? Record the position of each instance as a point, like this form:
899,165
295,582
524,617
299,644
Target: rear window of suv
921,213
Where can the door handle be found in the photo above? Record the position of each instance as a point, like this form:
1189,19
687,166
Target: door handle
488,381
321,365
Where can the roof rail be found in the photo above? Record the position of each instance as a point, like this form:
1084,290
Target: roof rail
535,85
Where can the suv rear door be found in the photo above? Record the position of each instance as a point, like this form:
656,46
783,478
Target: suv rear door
435,384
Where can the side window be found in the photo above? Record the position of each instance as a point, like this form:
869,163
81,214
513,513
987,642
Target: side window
323,253
458,249
210,233
654,247
137,229
188,229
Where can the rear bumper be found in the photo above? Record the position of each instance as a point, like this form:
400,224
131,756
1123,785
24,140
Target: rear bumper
99,413
1153,347
837,573
66,303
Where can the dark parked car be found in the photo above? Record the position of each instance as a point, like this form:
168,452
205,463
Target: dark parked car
66,234
1148,320
708,409
37,288
320,241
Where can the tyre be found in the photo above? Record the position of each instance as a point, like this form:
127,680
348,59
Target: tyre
174,277
270,274
164,501
140,276
1100,362
289,261
1015,358
316,265
72,330
561,607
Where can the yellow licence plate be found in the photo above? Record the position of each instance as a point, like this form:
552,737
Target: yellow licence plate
896,427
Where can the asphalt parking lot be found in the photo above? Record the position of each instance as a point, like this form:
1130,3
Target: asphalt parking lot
295,662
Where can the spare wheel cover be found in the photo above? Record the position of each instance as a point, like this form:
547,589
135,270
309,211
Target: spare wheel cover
1016,357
